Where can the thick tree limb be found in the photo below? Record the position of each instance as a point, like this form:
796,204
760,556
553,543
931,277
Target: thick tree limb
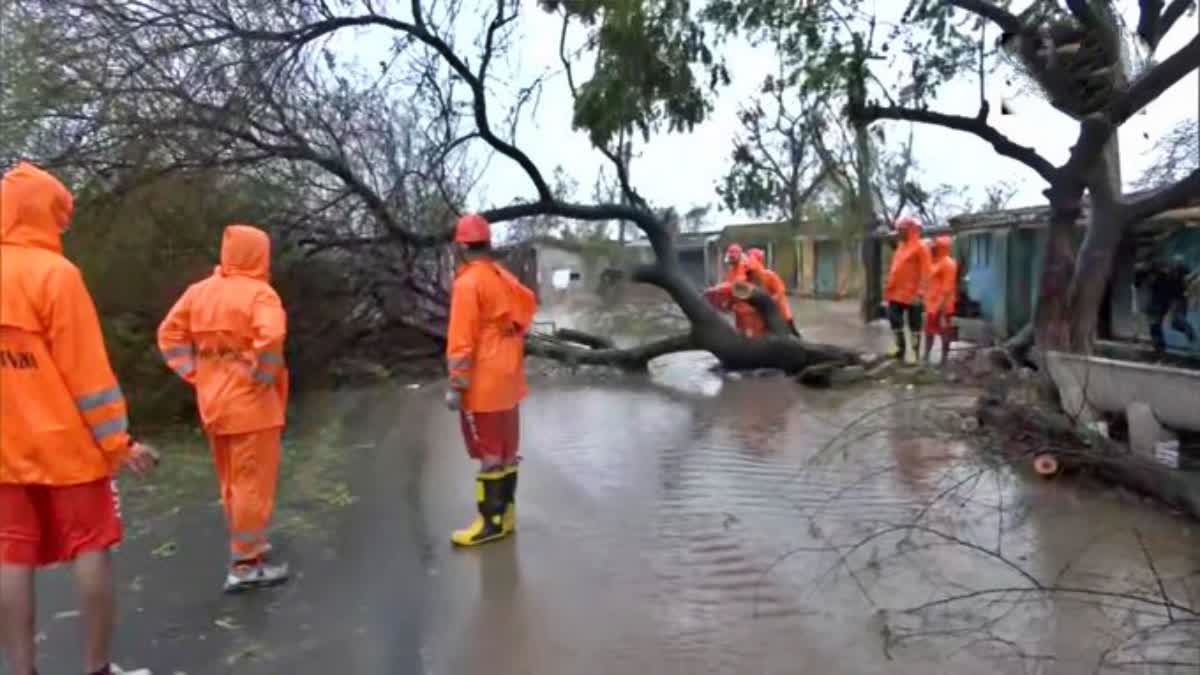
1155,81
1172,197
977,126
1007,21
1154,22
635,359
586,339
1029,431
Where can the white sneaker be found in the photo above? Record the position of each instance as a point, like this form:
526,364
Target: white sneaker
117,670
259,575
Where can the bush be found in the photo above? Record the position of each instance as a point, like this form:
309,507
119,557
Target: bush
140,249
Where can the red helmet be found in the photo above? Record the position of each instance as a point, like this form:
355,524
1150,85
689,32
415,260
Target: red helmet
472,229
733,253
905,223
758,254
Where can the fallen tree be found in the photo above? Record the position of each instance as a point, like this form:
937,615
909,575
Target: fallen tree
1022,432
232,65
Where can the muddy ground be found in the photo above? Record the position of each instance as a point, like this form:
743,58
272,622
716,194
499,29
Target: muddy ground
680,524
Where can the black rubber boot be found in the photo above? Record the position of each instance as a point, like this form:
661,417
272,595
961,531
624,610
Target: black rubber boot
491,502
901,345
510,500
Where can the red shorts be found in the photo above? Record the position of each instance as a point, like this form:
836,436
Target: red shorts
939,323
492,437
43,525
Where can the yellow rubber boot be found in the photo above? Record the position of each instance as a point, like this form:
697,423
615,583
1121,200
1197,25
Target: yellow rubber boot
510,500
489,524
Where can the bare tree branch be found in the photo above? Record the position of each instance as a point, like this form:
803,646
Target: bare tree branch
977,126
1152,83
1174,196
1007,21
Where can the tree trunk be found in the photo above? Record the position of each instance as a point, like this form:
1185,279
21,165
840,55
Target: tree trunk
1094,262
1027,431
872,257
871,254
1052,320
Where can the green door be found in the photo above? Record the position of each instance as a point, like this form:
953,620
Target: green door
827,268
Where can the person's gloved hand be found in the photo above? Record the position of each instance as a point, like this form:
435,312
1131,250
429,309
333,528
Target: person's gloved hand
454,399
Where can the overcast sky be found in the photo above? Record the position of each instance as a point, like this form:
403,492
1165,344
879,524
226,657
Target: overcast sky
682,170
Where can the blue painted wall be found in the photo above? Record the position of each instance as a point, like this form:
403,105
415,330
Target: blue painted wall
978,252
1004,276
826,282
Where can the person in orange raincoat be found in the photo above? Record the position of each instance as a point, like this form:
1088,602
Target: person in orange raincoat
721,295
63,425
746,319
911,267
225,337
490,314
941,299
775,287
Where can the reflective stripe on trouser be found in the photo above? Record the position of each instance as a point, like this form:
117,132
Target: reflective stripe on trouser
493,438
248,471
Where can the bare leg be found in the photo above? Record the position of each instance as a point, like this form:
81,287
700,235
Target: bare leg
945,350
928,347
17,603
93,576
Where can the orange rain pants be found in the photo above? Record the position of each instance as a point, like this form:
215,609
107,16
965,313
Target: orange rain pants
248,472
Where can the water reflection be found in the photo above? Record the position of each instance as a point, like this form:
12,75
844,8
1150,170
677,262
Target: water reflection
700,525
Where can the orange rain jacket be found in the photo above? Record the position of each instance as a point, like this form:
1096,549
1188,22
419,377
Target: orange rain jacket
490,313
62,414
942,295
225,336
746,319
773,284
911,266
737,271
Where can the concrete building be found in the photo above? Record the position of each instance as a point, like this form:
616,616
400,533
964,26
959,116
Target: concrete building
1001,254
695,254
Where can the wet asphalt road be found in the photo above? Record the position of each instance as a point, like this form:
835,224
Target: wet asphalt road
682,525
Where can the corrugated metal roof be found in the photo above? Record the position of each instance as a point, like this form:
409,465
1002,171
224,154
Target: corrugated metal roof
1039,216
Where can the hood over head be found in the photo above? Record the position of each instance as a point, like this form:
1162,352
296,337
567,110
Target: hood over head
908,228
35,207
246,252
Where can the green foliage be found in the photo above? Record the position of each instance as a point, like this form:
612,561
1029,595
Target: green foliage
140,249
647,55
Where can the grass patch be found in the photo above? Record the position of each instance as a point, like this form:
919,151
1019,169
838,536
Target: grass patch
311,479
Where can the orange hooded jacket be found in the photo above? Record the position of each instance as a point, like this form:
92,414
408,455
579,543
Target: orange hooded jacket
490,313
773,285
736,272
62,414
225,336
746,319
942,295
911,266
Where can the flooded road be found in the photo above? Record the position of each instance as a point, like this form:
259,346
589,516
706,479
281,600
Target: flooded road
682,524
